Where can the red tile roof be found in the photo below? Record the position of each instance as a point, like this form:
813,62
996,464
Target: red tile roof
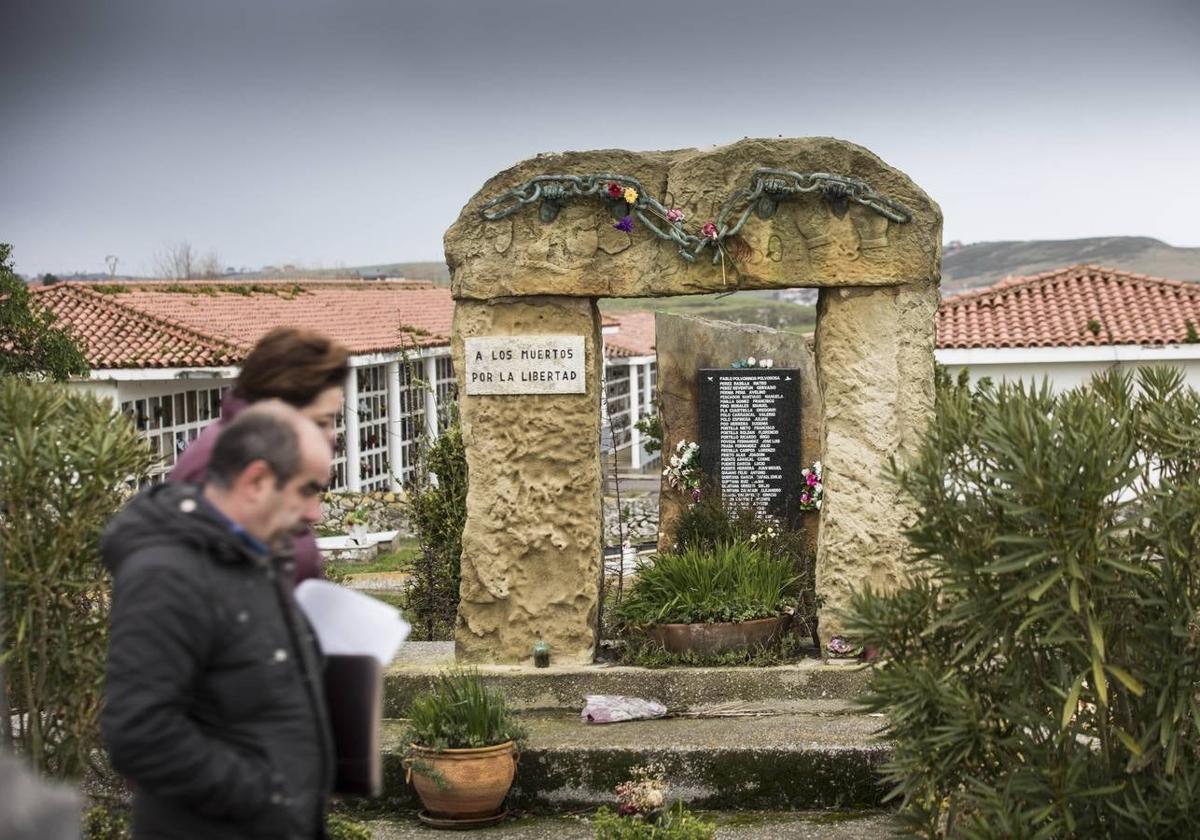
1079,306
634,336
192,323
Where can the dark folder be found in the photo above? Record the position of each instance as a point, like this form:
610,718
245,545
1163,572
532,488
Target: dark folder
354,695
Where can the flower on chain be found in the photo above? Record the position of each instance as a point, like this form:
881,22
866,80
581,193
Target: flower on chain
814,489
675,215
709,230
614,189
631,195
626,224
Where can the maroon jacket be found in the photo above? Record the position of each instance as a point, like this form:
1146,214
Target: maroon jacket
192,467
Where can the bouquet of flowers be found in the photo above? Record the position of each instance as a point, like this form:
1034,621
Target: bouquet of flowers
812,489
683,469
752,362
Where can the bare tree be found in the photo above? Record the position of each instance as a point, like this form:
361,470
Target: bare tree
181,261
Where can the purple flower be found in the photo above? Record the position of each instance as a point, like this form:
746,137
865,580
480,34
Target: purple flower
805,498
709,230
626,224
674,215
811,479
696,494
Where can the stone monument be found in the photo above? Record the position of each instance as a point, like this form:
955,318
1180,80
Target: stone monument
535,248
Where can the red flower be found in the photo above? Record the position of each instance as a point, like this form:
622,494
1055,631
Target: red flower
615,190
709,230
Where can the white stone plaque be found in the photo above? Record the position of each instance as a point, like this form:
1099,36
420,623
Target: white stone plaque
525,364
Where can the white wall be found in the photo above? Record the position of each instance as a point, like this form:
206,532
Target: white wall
1068,367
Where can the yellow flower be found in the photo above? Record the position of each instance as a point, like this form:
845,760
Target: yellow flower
630,195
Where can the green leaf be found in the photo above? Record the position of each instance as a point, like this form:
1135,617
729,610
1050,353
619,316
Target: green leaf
1127,679
1041,588
1100,680
1096,634
1072,703
1127,740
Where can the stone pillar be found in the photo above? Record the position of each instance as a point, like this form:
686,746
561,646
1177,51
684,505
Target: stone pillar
874,350
635,436
431,414
350,418
395,441
532,544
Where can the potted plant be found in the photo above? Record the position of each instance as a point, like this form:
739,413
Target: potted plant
710,600
356,524
462,752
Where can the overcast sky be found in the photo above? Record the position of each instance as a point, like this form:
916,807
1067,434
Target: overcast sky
350,132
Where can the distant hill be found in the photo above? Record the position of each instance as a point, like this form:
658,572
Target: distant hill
983,263
435,272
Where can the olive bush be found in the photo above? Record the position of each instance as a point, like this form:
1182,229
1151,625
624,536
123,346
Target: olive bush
1040,668
66,464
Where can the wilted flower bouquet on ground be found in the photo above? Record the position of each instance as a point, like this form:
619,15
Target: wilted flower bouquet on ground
642,812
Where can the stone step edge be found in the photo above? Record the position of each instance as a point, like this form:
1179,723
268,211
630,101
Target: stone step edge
566,687
836,762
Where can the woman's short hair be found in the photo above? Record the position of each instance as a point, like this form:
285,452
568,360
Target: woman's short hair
294,365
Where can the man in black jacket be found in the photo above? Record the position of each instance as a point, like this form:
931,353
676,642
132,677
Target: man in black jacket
214,707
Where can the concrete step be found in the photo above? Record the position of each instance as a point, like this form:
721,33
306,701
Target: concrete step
820,825
563,687
792,761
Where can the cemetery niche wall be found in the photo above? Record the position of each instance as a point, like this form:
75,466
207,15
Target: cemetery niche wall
539,243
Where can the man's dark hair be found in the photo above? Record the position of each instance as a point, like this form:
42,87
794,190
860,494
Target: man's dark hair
255,435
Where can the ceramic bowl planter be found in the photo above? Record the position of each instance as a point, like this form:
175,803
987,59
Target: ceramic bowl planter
462,754
464,785
719,637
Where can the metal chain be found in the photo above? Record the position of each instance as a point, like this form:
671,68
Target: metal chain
770,186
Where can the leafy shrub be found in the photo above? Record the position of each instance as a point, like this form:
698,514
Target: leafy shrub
677,823
66,464
33,342
437,509
1040,670
461,712
344,828
732,582
712,522
104,822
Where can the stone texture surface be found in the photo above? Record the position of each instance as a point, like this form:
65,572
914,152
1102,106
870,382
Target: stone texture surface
579,253
532,542
874,350
781,761
686,344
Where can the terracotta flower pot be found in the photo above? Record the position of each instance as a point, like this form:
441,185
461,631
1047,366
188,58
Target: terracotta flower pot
462,784
719,637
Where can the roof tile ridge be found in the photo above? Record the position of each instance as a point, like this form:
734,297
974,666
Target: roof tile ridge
163,320
1146,279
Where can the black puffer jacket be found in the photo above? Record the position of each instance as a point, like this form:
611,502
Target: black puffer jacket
214,707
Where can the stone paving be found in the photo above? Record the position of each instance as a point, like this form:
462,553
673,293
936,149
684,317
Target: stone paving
750,825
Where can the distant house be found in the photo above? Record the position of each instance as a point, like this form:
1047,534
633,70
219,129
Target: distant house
1069,324
163,353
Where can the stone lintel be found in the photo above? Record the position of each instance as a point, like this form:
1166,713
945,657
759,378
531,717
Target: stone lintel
805,243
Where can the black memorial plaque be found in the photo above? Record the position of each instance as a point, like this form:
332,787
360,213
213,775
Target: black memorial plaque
750,437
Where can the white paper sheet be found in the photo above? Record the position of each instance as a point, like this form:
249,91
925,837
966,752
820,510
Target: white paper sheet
349,622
